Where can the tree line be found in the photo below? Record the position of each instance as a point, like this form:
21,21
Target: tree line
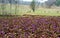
48,3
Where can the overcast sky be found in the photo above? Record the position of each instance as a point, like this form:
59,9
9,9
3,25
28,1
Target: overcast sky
37,0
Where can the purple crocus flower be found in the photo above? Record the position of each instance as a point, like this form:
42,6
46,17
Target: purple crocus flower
54,25
33,27
2,32
26,34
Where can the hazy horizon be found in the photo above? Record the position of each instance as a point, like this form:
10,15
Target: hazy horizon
36,0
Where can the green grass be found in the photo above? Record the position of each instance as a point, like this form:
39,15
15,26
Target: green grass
48,12
21,10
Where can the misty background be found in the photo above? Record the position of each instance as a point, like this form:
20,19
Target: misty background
25,6
25,2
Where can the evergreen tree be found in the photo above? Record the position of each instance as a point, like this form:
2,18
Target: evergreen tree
57,2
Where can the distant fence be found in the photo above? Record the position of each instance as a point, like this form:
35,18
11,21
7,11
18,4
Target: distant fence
9,7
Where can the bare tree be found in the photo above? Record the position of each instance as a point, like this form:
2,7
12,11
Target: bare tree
3,6
16,6
10,2
49,3
33,5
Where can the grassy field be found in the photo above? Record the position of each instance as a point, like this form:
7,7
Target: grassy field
24,9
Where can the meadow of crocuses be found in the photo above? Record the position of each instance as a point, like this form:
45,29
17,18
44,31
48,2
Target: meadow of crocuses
30,27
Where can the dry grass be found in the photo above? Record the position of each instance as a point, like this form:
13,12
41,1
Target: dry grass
25,9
